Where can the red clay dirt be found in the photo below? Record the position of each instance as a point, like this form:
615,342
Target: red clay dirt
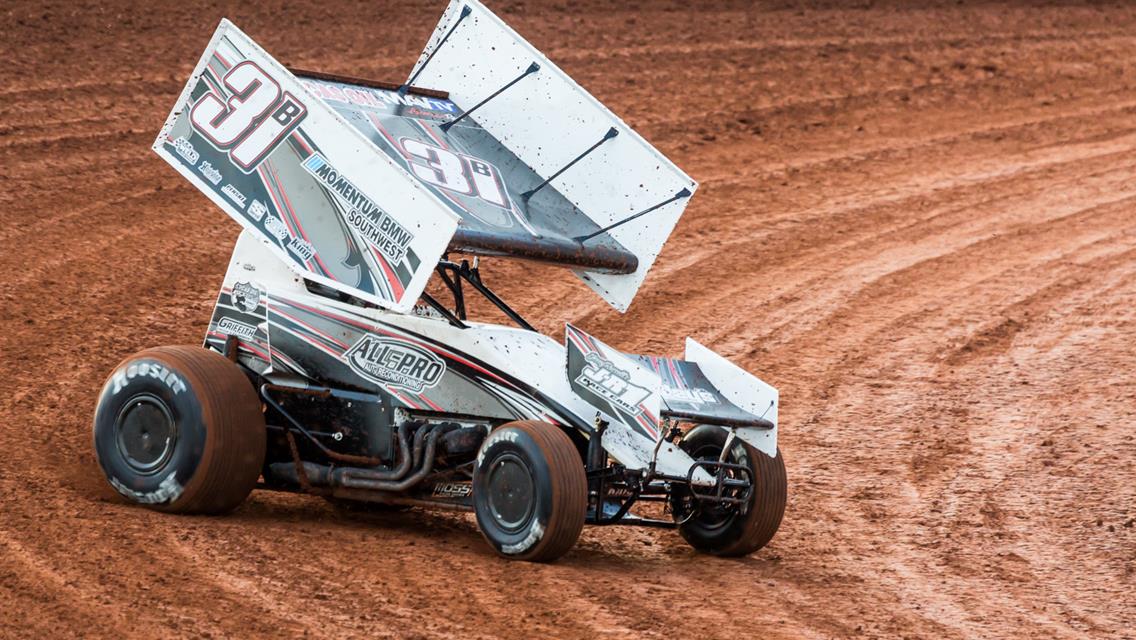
920,224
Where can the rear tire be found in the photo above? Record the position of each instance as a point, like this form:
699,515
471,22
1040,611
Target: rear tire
180,429
530,492
726,531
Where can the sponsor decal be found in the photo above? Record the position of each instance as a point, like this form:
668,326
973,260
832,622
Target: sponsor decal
619,492
375,98
151,369
603,378
415,112
453,489
379,229
692,395
276,227
231,327
246,296
185,149
256,210
302,248
211,174
395,363
234,194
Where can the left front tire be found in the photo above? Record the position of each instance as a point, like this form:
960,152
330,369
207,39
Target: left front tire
530,492
180,429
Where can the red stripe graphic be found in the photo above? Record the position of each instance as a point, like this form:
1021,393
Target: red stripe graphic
276,310
248,346
309,327
391,276
374,328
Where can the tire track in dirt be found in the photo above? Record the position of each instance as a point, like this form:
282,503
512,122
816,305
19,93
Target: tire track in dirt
867,350
938,296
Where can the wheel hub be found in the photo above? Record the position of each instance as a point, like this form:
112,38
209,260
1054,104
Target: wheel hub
145,433
511,492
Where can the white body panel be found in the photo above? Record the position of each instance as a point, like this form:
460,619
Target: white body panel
743,389
531,357
547,119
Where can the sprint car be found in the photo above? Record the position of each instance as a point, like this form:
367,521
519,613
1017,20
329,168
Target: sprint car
342,359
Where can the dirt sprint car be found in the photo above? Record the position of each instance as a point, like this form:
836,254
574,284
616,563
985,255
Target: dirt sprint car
329,368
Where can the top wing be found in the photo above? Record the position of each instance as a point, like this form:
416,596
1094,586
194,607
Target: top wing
590,159
287,167
480,180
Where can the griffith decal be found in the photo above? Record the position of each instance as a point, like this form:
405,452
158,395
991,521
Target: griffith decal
395,363
231,327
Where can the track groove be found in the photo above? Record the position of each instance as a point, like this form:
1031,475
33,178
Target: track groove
920,224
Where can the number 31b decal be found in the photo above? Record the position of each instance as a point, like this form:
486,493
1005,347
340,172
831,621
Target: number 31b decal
254,119
458,173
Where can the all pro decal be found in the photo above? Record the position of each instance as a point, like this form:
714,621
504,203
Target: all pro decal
395,363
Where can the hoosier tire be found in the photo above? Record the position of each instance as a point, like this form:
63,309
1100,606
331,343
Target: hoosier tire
727,531
180,429
530,492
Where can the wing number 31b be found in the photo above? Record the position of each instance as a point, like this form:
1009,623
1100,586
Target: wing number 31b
254,119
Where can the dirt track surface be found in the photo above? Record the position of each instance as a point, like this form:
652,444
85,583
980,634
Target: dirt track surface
919,224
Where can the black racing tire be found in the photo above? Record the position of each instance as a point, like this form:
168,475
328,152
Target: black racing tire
180,429
530,492
728,531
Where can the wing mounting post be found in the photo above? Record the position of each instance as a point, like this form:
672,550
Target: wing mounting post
466,10
452,275
533,68
685,193
611,133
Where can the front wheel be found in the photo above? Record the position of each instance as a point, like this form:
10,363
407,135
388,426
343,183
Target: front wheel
730,529
530,492
180,429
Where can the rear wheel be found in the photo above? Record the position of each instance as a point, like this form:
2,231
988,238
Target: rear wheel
530,493
180,429
730,529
